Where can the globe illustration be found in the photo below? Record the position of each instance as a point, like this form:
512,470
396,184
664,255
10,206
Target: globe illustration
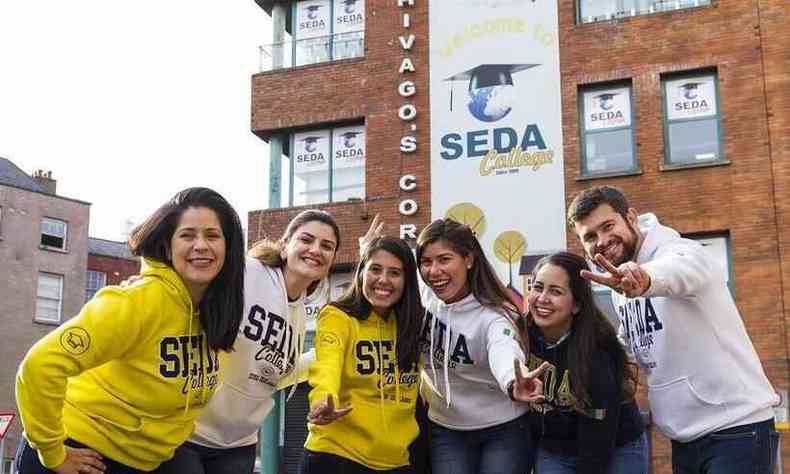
489,104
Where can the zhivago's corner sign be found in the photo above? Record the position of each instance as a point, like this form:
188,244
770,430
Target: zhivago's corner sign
496,130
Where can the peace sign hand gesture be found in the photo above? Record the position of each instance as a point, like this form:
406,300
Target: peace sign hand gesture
375,230
528,388
324,412
629,278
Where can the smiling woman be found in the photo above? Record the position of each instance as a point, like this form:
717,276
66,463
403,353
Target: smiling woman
141,360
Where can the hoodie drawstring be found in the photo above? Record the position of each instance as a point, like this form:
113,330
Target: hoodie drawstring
381,378
447,390
189,386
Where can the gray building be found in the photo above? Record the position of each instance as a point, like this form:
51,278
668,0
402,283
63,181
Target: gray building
43,258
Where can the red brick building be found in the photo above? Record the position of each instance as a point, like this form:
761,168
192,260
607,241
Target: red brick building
109,263
722,176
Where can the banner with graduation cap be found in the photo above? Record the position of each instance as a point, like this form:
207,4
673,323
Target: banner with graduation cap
348,147
349,16
496,124
313,19
311,151
691,97
607,108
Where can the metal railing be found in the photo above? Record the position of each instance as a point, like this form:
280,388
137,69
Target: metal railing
320,49
640,7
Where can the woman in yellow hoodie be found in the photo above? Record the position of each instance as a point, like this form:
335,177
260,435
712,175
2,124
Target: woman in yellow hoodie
117,388
366,358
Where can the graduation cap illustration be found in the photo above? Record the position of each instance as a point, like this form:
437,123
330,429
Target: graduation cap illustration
312,11
605,99
690,89
349,138
482,81
350,4
310,143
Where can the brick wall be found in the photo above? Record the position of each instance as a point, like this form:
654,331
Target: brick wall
746,42
116,269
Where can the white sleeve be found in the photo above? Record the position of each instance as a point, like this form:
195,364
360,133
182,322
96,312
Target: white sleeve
502,347
680,270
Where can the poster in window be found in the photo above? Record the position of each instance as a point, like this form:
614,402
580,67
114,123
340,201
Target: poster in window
311,151
313,19
349,16
349,147
607,108
691,97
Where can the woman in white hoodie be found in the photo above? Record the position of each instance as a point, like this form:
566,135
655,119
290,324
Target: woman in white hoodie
268,346
472,348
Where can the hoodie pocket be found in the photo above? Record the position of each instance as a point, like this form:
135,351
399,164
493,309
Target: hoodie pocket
232,415
677,408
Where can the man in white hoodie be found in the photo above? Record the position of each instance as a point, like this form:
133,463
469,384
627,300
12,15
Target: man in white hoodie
707,389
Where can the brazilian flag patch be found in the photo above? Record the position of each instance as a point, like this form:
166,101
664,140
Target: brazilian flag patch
507,332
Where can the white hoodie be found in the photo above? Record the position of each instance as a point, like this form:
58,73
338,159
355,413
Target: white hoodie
266,354
703,373
467,351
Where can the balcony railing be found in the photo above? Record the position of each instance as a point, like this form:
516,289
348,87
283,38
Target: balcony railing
629,8
312,50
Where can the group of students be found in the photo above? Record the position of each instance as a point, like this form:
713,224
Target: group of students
175,372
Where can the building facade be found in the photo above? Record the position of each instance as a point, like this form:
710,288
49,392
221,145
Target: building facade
43,257
683,104
109,263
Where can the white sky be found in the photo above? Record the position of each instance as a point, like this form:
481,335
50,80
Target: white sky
129,102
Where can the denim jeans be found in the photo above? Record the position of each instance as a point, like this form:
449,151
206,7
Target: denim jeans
630,458
501,449
745,449
27,462
196,459
313,462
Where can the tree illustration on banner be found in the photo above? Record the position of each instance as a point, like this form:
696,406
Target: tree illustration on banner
509,247
469,214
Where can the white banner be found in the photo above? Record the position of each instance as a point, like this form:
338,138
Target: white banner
691,97
312,19
349,16
328,290
348,147
496,128
311,151
607,108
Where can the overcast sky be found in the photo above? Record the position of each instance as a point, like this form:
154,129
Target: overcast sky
128,102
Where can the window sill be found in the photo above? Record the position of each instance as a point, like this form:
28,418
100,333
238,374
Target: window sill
52,249
685,166
46,322
616,174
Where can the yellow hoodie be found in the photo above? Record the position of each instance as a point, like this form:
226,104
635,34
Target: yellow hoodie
127,376
352,357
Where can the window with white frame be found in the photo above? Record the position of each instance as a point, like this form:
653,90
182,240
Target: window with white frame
53,233
327,165
591,11
692,119
607,130
326,30
94,282
718,247
328,290
49,298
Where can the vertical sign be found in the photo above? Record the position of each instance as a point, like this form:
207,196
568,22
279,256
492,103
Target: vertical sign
349,30
312,31
310,167
496,131
348,163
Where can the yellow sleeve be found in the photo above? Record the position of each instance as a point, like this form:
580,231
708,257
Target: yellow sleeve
106,327
332,335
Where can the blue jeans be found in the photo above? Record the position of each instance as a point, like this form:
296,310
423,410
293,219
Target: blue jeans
745,449
630,458
27,462
501,449
196,459
314,462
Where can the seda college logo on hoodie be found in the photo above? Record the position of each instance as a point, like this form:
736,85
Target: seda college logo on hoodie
189,358
459,349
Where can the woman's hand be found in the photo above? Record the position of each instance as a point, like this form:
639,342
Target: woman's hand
374,231
324,412
528,388
81,461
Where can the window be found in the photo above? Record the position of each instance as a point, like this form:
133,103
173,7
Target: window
53,233
718,247
591,11
326,30
607,130
94,282
327,165
49,298
692,123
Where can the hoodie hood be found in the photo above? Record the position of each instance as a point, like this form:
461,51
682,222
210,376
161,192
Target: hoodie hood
166,273
654,235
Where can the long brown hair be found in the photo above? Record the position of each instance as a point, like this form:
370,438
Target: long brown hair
408,310
591,332
481,278
269,251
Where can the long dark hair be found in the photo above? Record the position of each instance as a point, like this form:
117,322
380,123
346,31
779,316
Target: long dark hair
482,279
222,304
408,310
591,332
